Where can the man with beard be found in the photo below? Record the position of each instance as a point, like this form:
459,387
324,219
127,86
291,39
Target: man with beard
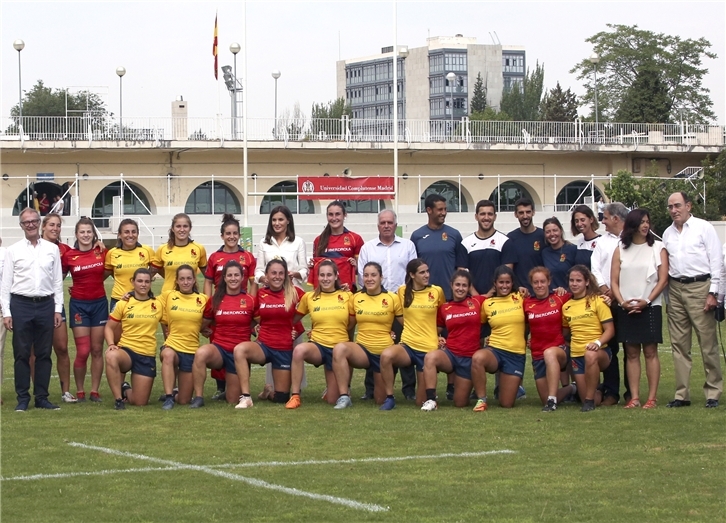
524,248
484,248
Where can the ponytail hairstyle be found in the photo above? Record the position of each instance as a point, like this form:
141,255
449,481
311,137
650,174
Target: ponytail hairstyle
142,270
327,263
460,273
291,297
411,268
592,287
189,268
227,219
378,267
172,239
124,222
84,220
324,237
221,289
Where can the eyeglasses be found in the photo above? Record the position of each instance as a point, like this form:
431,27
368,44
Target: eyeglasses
30,223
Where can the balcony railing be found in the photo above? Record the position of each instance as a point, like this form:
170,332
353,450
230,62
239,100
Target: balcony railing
462,130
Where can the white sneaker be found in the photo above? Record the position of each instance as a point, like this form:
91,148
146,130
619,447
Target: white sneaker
343,403
67,397
245,402
429,405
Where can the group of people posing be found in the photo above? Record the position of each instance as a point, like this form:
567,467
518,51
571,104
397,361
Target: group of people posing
466,307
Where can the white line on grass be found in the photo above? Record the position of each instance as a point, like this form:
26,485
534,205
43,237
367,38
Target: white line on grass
108,472
235,477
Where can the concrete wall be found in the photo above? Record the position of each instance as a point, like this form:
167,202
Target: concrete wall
487,60
417,84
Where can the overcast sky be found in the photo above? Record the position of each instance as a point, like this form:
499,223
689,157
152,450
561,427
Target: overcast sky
166,47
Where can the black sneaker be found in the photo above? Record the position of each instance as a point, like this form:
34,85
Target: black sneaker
711,404
119,404
196,402
45,404
450,391
550,407
678,403
366,396
22,406
588,405
124,387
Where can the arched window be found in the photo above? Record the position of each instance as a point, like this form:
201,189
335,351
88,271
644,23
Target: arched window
290,201
50,190
576,193
363,206
455,200
200,201
103,204
505,196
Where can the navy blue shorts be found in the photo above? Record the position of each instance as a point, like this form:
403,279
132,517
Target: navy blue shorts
374,360
578,363
417,357
63,313
141,365
280,359
88,313
186,360
509,362
540,369
227,359
461,364
112,304
327,354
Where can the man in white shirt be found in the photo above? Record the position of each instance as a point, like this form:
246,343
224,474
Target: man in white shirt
695,258
614,215
3,330
32,298
393,254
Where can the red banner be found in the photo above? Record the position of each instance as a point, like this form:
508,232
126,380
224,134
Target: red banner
344,188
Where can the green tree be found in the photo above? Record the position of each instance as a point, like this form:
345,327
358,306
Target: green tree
479,98
45,101
646,101
522,102
646,192
491,115
559,105
623,50
333,110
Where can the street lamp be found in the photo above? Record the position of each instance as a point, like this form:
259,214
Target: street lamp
594,60
276,74
235,48
451,77
120,71
19,45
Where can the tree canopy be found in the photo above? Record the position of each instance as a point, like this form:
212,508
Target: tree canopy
625,51
559,105
333,109
522,102
479,97
646,101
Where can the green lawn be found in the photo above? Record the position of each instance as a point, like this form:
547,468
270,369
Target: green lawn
221,464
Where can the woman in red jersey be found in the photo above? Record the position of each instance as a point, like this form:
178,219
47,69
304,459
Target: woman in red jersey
230,250
88,306
550,355
275,310
462,318
338,244
230,314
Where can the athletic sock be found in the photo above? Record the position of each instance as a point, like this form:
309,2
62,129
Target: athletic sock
431,394
344,395
295,393
553,398
389,396
245,395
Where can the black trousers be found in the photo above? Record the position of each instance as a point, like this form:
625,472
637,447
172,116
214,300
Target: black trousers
611,375
33,324
408,374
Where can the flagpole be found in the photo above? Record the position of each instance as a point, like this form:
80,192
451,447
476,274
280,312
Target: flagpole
244,121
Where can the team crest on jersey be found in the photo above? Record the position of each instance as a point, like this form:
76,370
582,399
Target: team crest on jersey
340,298
515,299
552,301
242,303
562,257
587,304
199,301
444,236
492,243
346,240
470,304
593,245
194,253
153,306
141,255
77,318
98,255
384,302
536,246
431,297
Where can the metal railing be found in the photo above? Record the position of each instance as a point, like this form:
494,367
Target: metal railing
462,130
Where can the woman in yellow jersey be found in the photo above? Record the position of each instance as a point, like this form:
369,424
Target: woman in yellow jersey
374,309
123,260
332,323
131,337
421,303
590,322
182,315
179,250
505,350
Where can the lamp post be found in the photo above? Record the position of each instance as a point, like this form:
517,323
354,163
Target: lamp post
594,60
234,48
451,77
276,74
19,45
120,71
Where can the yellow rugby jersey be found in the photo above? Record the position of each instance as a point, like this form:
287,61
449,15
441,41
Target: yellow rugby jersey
329,314
124,264
419,319
139,322
182,313
374,316
505,315
584,317
192,254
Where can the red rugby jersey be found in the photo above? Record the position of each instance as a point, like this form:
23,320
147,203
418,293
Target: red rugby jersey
275,322
545,322
86,269
463,321
340,248
219,259
232,320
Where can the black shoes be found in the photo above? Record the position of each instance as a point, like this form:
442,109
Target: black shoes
711,404
45,404
587,406
119,404
22,406
450,391
680,403
366,397
550,407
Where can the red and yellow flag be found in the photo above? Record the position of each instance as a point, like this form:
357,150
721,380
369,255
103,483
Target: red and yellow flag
214,48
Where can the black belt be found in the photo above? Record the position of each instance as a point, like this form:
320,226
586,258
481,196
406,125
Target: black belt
691,279
33,299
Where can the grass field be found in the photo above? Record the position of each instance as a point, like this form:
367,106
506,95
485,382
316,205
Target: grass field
88,462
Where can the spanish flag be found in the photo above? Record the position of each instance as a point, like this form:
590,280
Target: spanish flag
214,48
